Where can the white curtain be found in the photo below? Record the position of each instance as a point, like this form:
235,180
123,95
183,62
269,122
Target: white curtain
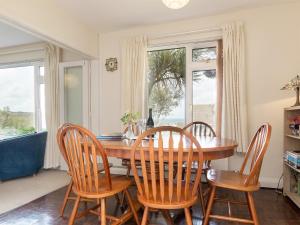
134,57
52,155
234,105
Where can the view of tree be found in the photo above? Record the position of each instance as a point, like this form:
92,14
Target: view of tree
204,54
14,123
198,75
166,80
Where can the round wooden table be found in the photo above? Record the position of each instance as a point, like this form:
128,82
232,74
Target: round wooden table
213,148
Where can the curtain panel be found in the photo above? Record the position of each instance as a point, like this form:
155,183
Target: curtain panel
52,155
234,106
133,72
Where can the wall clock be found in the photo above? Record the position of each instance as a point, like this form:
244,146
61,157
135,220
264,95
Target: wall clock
111,64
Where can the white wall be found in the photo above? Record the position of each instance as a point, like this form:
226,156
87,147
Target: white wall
272,58
51,23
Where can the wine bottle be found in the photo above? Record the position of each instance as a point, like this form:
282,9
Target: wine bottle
150,122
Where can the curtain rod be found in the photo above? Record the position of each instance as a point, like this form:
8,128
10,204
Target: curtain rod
187,32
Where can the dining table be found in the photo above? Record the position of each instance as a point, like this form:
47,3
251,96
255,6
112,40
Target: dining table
213,148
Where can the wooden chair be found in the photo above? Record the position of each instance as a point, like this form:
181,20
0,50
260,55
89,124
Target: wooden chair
241,181
201,129
83,151
68,196
163,191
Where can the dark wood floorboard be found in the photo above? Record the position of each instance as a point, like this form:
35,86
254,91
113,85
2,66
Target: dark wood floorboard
273,209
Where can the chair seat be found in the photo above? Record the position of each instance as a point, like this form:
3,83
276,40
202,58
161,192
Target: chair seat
119,184
230,180
166,203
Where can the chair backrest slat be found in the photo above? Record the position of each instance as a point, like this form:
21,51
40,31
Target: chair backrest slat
167,153
152,168
81,162
180,164
82,151
200,129
188,172
88,167
171,167
161,166
144,171
256,151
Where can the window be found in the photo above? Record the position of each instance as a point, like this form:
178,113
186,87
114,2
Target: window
204,96
204,83
22,105
182,84
166,85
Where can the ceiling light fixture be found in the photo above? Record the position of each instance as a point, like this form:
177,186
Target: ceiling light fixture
175,4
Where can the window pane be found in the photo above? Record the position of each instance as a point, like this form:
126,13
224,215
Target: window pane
42,71
166,86
204,54
73,95
205,96
17,101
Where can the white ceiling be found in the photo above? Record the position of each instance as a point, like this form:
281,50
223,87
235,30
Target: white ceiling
109,15
10,36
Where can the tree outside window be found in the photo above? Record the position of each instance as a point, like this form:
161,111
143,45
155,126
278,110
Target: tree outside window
166,85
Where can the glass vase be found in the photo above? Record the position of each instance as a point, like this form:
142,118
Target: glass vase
129,133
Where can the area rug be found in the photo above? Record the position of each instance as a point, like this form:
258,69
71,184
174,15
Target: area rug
18,192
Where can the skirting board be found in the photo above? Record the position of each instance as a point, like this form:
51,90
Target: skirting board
269,182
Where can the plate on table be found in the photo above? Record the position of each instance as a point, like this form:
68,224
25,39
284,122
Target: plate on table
111,136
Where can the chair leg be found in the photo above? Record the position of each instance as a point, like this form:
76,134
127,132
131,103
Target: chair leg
74,212
202,199
123,194
99,209
103,213
67,194
129,199
167,216
188,217
209,205
252,208
145,216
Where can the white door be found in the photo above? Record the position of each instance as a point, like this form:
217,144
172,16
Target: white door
74,97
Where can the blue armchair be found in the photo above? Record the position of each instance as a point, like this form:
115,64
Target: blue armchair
22,156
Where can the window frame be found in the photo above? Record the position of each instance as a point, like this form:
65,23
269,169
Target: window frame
38,80
193,66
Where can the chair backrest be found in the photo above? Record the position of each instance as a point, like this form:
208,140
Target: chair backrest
255,153
59,142
200,129
83,152
172,148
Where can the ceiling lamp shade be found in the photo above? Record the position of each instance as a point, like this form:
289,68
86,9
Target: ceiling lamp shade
175,4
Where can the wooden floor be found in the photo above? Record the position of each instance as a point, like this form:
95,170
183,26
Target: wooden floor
273,209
